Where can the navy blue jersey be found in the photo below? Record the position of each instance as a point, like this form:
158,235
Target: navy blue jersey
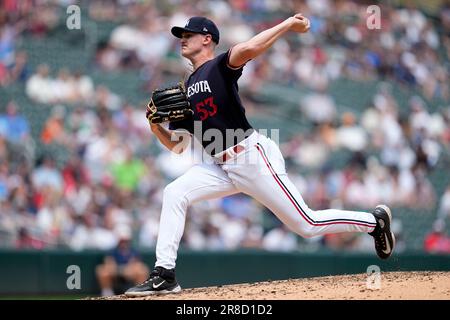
212,90
123,256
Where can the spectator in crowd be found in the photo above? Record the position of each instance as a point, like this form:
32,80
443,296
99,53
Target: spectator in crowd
444,205
65,88
280,239
13,126
128,172
20,71
122,264
350,135
424,194
89,232
26,241
39,86
54,128
47,175
327,110
437,241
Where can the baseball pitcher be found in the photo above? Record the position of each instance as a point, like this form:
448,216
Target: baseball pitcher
249,162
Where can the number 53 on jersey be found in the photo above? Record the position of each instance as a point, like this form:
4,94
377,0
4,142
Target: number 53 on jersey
206,108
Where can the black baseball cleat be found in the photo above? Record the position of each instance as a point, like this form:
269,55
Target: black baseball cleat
383,236
161,281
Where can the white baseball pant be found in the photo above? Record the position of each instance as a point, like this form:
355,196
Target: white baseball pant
258,171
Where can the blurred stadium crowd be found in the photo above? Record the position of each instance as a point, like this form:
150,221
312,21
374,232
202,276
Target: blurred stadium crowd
111,181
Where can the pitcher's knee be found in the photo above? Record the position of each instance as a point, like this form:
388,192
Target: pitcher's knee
174,193
309,232
306,230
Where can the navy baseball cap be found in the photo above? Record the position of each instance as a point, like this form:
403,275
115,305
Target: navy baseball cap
198,25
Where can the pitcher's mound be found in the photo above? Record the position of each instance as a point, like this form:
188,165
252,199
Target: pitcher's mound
390,285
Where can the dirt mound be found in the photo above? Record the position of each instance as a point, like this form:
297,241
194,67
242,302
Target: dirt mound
392,285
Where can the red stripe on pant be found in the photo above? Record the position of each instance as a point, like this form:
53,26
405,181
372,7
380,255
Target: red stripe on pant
297,207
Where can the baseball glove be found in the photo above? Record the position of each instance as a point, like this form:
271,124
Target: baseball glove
169,104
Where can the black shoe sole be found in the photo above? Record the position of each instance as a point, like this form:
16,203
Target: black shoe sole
388,233
176,289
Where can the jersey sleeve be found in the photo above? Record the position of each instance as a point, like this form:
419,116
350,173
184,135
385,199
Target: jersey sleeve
229,71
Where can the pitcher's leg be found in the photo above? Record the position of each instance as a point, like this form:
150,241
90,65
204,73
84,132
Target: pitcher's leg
201,182
272,187
290,207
